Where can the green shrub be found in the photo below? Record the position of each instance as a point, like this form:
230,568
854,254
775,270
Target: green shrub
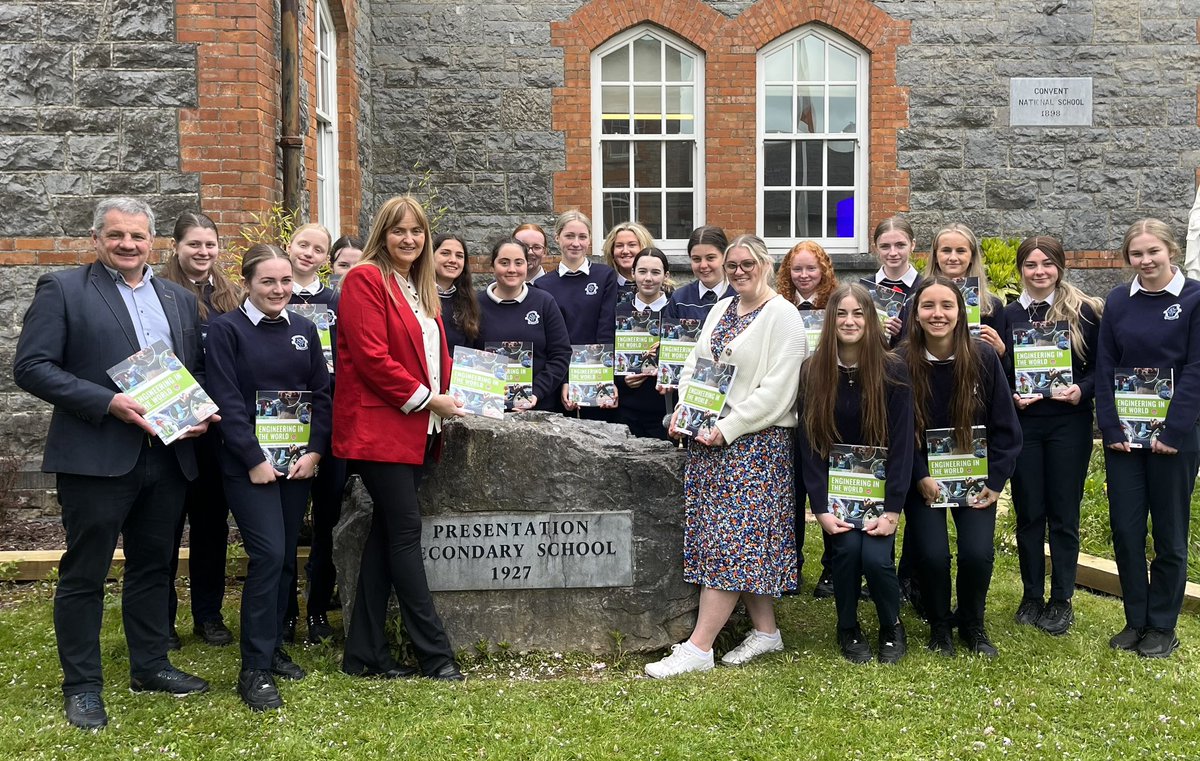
1000,266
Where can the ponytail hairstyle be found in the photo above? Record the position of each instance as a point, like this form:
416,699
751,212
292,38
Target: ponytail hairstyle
346,241
899,224
708,235
466,307
254,256
819,374
225,297
1149,226
974,269
421,274
783,280
1068,300
668,285
965,399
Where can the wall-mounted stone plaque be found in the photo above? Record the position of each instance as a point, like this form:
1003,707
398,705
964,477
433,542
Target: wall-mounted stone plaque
528,550
1050,102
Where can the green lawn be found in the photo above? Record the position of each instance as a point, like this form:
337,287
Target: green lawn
1043,698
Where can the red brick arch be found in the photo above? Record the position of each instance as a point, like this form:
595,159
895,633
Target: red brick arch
731,47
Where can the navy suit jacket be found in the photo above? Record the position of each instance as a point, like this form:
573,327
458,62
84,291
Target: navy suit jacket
75,329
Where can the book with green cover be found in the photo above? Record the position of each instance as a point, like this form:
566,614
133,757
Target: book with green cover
590,378
518,378
636,342
961,474
478,379
970,291
889,301
324,318
814,323
1143,396
677,339
1041,358
282,425
703,397
857,483
158,381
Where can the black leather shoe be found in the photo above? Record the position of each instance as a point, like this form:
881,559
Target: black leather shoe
173,641
447,673
940,641
319,629
171,681
1029,611
289,631
976,639
257,689
854,645
1126,639
893,643
214,632
282,665
85,710
1056,618
824,588
1158,643
396,672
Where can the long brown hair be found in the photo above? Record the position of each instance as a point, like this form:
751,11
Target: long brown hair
376,254
466,306
783,281
1068,300
225,297
964,396
819,375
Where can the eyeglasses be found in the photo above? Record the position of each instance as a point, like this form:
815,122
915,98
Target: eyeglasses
536,248
746,266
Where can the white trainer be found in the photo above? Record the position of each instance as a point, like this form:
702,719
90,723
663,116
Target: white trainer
680,661
754,645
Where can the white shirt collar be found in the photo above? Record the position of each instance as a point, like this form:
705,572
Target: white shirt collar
585,268
932,358
540,272
798,300
256,315
312,289
656,305
719,290
1026,299
622,280
491,292
1175,287
908,278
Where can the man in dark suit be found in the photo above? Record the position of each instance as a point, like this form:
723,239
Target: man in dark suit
114,476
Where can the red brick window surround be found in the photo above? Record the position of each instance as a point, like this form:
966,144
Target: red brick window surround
731,49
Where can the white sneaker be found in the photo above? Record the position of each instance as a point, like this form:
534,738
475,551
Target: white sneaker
754,645
680,661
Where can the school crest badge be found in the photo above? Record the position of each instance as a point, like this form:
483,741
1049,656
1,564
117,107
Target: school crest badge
532,318
300,342
1172,312
592,289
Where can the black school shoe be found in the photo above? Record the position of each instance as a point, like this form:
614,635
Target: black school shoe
257,689
1126,639
214,632
893,643
1158,643
976,639
823,588
854,645
1029,611
319,628
85,710
941,641
283,665
171,681
1057,618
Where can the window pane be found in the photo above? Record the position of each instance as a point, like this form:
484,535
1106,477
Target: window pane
842,117
647,110
679,66
615,161
841,163
842,66
809,163
810,109
680,109
777,217
778,65
810,63
647,164
614,67
779,109
680,215
841,214
777,163
614,109
616,209
648,211
679,163
809,214
647,59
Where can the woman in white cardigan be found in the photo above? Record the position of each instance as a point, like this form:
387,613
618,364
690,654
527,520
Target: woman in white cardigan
739,538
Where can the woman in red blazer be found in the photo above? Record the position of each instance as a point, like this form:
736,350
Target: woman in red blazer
389,402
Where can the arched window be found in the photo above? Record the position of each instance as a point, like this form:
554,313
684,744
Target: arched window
648,134
812,146
327,202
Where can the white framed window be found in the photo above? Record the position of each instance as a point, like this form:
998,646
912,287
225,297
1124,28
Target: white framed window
328,205
812,142
648,136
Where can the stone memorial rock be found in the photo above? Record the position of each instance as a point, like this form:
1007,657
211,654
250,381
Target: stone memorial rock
546,532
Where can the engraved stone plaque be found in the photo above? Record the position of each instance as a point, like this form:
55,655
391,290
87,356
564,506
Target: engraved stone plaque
1050,102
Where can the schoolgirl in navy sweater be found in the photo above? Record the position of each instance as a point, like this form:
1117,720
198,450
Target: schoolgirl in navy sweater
893,243
871,410
1047,486
510,310
1153,324
706,252
460,311
958,382
642,406
956,254
261,347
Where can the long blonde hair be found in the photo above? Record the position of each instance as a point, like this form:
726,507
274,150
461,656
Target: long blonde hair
1068,300
974,269
644,238
375,253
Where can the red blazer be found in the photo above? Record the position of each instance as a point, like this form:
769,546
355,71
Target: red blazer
380,368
